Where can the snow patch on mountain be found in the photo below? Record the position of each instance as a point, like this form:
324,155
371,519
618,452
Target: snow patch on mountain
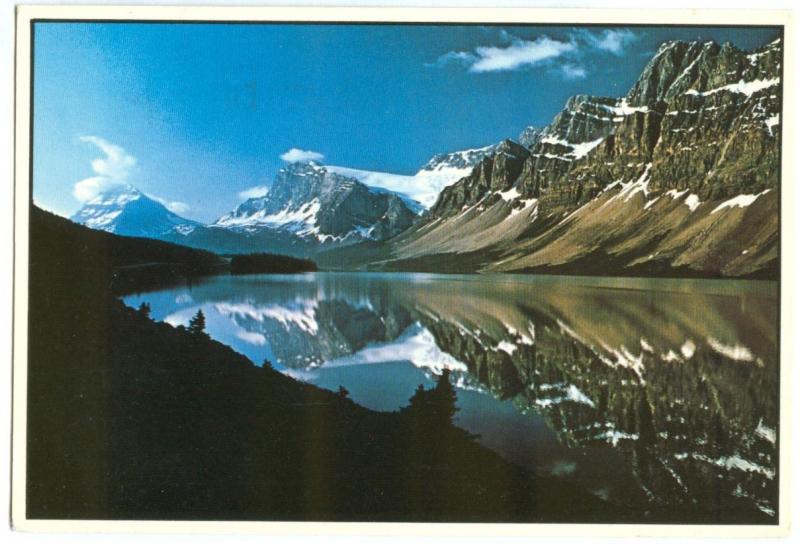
301,315
423,188
747,88
321,204
416,345
739,201
407,187
579,150
297,216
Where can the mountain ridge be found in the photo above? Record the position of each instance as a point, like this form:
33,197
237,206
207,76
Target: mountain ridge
370,206
679,174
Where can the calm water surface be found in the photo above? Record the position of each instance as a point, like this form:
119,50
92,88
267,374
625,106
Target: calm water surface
662,391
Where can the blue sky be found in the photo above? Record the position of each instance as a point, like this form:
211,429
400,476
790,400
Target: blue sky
197,114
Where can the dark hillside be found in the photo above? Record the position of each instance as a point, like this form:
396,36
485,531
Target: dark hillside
132,419
100,261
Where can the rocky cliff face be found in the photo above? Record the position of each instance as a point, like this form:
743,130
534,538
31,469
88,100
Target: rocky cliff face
678,176
493,174
317,206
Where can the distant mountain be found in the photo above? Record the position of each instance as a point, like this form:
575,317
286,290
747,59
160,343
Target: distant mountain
309,207
126,210
460,162
680,176
317,205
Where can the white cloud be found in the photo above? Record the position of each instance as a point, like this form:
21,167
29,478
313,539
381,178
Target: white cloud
254,338
254,192
460,57
517,54
89,188
173,206
116,164
112,172
178,207
300,155
613,41
572,71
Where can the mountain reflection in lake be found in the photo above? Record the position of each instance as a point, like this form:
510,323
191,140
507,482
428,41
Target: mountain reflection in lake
657,392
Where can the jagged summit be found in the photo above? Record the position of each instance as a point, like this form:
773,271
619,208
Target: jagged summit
321,206
679,66
464,159
529,136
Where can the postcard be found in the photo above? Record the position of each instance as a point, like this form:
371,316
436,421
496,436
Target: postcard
485,271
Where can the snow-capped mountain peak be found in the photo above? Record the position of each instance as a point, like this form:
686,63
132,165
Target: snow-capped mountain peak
459,160
323,205
124,209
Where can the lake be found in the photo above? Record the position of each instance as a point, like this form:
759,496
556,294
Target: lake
655,391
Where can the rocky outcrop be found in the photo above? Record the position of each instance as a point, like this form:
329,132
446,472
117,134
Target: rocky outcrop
529,136
493,174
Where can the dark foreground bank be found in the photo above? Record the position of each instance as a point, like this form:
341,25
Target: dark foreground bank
133,419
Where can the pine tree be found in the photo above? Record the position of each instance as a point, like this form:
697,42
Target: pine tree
419,401
144,309
434,408
197,325
445,398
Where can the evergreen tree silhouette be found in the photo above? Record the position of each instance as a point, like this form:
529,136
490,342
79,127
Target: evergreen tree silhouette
418,402
434,408
197,325
445,398
144,309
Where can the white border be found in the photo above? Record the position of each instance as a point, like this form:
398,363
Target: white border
382,14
